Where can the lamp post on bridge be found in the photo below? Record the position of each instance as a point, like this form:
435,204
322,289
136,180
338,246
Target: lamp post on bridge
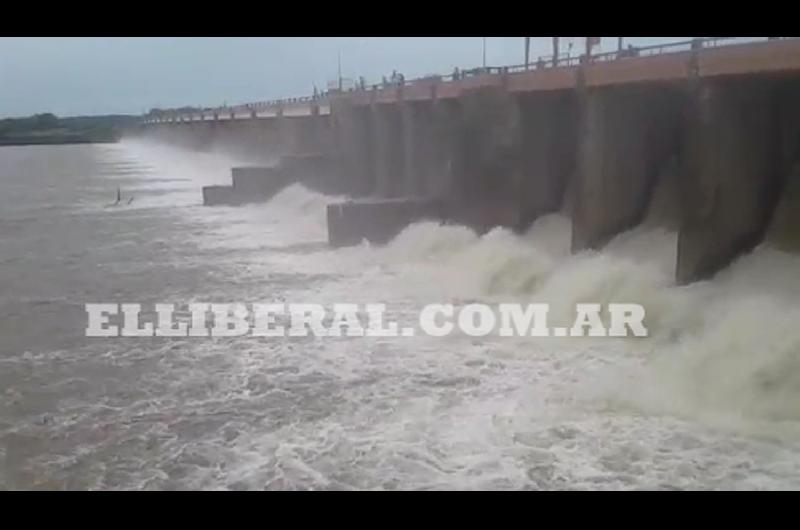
340,70
527,51
555,51
590,42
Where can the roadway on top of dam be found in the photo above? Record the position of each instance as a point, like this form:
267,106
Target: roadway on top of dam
288,108
701,58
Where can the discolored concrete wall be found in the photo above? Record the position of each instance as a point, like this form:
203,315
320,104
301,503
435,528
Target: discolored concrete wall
548,145
625,136
717,160
352,144
388,160
485,161
488,140
258,139
445,124
731,178
260,183
784,229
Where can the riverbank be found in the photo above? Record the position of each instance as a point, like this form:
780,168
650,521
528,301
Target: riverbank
47,129
55,140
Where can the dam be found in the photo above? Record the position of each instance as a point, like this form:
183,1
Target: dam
701,136
151,286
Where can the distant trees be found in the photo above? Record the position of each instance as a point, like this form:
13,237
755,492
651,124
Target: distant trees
37,122
158,112
96,128
45,121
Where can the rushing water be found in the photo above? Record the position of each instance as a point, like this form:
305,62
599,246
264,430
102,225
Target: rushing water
710,400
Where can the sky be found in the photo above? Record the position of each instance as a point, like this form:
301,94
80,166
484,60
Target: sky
103,75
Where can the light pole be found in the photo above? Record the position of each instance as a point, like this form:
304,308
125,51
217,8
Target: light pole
484,52
555,51
340,70
590,43
527,51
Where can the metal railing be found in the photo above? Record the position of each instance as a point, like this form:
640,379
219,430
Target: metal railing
569,60
542,62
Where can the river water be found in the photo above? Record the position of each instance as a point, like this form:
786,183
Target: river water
711,400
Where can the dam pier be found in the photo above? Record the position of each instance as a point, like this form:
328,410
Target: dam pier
701,137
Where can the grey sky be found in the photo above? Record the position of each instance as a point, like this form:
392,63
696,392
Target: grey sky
99,75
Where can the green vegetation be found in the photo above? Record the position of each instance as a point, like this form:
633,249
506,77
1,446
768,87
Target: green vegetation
50,129
159,113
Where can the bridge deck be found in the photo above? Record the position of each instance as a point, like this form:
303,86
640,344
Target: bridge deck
752,58
741,59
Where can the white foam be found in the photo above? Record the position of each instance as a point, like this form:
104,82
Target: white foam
466,413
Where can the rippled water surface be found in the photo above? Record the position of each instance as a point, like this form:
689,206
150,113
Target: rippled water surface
710,400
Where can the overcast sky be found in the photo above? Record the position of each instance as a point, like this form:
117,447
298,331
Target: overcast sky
100,75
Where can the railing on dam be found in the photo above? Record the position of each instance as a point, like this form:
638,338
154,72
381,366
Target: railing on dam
296,106
320,103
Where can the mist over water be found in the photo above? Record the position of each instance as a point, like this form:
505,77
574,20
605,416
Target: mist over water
711,399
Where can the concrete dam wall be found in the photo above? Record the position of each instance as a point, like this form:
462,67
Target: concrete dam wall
716,158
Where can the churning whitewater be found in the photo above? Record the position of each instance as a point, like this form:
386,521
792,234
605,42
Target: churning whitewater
711,399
